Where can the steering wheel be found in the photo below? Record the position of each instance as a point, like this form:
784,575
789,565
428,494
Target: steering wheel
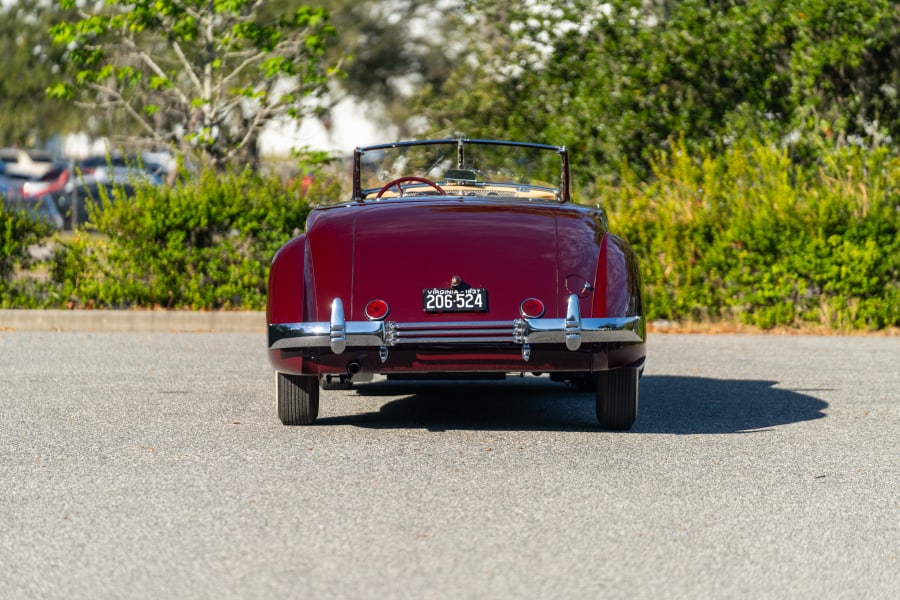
409,179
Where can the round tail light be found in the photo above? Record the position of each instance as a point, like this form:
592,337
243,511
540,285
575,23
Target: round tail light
377,310
531,308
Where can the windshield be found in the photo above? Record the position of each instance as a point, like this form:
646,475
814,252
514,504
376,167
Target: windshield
463,167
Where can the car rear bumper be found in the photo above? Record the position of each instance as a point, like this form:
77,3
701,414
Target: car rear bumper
339,334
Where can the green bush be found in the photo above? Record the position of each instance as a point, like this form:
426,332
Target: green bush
746,236
204,244
749,236
19,232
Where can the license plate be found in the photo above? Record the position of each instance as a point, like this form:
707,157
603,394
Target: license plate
452,300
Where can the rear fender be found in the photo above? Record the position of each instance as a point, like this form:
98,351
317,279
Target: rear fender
329,263
618,293
579,239
287,300
618,289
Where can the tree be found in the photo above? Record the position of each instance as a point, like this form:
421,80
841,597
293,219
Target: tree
202,76
27,116
388,50
617,80
393,48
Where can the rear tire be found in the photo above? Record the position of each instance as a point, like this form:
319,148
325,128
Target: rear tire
297,398
617,398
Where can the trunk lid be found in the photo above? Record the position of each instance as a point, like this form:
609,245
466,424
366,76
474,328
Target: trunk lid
401,249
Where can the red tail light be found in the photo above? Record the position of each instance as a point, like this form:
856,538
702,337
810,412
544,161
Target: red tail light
531,308
377,310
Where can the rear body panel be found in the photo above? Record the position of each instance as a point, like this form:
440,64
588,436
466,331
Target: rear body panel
400,248
394,249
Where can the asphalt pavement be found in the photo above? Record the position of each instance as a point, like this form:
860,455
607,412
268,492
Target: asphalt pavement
151,465
145,321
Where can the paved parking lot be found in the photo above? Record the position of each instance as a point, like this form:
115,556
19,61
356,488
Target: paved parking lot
151,465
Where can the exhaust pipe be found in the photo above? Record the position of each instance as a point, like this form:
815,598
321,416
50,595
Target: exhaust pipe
353,368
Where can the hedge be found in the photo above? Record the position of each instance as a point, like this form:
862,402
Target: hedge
19,233
742,237
204,244
750,237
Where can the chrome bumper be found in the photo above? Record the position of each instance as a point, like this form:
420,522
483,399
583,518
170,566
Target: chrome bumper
338,334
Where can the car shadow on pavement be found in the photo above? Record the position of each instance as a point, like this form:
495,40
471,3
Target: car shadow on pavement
699,405
668,404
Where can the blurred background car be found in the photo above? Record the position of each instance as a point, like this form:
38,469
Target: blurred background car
73,201
41,207
26,164
92,178
54,179
33,181
120,168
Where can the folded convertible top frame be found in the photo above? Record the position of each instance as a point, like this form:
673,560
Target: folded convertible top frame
565,184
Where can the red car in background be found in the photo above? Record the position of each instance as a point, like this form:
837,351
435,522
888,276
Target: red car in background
457,257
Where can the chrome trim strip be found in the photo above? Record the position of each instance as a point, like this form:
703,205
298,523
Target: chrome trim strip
339,334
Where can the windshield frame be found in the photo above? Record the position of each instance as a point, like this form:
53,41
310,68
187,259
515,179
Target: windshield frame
563,192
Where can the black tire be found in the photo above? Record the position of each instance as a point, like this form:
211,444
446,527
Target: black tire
297,398
617,398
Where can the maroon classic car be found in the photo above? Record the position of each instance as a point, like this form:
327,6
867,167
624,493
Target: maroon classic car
457,258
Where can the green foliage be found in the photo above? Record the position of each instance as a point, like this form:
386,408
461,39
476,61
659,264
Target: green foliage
19,232
204,78
615,80
27,116
204,244
391,49
750,236
801,228
747,236
745,148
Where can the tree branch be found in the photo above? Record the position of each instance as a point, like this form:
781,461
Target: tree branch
122,103
187,66
151,64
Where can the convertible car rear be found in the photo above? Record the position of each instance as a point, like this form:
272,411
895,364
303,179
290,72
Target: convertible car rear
457,258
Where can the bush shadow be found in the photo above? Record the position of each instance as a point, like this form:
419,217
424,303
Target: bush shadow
668,404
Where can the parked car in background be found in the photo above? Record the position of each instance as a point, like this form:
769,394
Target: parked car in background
91,178
73,201
457,258
72,184
41,207
52,181
118,168
27,164
14,195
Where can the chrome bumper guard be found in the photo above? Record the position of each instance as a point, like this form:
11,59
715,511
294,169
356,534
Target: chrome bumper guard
338,334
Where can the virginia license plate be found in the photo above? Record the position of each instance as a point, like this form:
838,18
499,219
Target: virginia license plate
453,300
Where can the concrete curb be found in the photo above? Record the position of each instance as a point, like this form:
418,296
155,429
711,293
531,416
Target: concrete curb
141,321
